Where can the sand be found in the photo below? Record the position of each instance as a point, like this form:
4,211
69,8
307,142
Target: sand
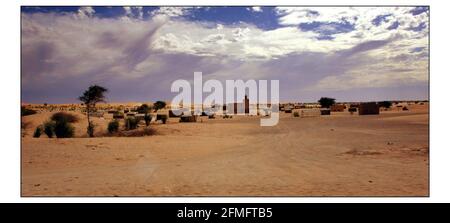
337,155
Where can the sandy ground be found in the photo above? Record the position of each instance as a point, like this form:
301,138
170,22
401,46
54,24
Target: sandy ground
338,155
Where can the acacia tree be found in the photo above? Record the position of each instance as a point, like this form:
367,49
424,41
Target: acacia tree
159,105
326,102
93,95
385,104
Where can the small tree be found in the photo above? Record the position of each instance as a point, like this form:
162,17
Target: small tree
93,95
159,105
326,102
143,109
385,104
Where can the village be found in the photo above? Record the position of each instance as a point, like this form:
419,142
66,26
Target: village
373,148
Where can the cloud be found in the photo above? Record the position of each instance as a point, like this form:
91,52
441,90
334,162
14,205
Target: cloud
84,12
138,58
171,11
257,9
134,12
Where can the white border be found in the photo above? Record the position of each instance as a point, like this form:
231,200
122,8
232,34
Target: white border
10,91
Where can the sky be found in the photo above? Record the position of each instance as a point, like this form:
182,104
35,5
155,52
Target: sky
348,53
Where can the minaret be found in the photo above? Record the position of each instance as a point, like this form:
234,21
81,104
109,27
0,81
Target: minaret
247,105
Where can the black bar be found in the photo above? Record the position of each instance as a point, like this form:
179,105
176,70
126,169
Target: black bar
240,212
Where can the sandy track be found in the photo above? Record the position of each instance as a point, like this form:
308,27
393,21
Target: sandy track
385,155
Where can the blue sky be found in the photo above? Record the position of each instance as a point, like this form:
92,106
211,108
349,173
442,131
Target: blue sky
343,52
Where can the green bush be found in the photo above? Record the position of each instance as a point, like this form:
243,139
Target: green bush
296,114
49,128
63,129
64,117
37,132
131,123
113,126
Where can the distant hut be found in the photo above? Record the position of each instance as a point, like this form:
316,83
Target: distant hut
325,111
312,112
337,108
370,108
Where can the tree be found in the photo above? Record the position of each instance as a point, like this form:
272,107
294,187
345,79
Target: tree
159,105
143,109
385,104
93,95
326,102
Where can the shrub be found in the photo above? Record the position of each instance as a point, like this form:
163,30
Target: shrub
227,116
131,123
25,111
63,129
296,114
37,132
64,117
162,117
49,128
113,126
147,119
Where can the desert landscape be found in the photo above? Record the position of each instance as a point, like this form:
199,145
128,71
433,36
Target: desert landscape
184,101
341,154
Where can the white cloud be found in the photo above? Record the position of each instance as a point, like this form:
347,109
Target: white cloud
257,9
171,11
58,47
84,12
134,12
361,17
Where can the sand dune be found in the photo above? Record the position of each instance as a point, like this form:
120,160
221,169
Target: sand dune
339,155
